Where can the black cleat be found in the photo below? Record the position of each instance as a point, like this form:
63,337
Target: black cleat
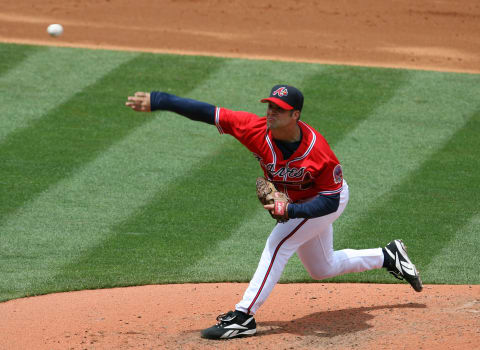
400,266
233,324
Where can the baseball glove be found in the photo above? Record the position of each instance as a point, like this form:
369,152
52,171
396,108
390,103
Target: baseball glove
268,194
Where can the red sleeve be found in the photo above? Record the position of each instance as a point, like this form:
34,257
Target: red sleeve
331,181
330,178
241,125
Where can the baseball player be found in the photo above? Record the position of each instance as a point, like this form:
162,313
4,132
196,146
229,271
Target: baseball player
301,165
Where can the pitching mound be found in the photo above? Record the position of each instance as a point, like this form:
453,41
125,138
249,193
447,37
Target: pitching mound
301,316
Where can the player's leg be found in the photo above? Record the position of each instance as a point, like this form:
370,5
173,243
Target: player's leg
284,240
281,244
318,256
321,261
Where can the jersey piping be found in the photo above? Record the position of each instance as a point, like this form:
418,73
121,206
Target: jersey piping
328,193
274,155
304,155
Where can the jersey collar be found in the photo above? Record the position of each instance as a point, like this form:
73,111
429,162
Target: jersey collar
306,145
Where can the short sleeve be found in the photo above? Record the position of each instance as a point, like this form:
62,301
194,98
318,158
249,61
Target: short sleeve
240,125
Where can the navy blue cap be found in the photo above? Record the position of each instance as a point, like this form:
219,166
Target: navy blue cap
286,97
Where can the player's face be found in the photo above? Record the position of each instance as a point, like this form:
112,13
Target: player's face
278,117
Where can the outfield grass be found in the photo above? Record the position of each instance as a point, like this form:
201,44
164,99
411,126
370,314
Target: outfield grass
95,195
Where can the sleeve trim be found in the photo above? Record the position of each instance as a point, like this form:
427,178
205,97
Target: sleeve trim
329,193
217,120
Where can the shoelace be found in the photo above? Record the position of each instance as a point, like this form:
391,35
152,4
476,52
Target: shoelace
225,317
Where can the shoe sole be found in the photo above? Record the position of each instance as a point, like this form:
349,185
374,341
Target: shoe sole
231,334
248,333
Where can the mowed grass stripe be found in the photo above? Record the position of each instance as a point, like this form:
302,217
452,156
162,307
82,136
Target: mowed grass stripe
405,199
188,215
174,228
74,133
450,209
337,99
12,55
457,262
76,215
46,79
113,160
381,152
444,187
341,97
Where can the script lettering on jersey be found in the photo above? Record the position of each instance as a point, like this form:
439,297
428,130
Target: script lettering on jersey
285,171
296,179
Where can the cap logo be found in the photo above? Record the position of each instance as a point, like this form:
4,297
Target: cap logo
282,91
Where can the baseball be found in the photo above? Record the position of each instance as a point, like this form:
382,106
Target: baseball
55,29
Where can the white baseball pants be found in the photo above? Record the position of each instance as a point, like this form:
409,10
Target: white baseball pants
312,239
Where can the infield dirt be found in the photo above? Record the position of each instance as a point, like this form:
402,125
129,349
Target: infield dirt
433,35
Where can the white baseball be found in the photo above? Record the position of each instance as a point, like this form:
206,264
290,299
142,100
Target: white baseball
55,29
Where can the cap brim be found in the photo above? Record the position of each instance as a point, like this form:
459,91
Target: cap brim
278,102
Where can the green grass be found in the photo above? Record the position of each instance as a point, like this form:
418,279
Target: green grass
12,55
93,195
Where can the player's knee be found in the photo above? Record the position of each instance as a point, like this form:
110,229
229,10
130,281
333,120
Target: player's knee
319,275
322,271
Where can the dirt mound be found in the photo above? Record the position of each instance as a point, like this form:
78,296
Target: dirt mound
296,316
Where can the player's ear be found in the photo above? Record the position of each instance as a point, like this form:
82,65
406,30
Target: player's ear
296,115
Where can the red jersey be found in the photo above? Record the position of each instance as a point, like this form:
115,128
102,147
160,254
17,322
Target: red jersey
311,170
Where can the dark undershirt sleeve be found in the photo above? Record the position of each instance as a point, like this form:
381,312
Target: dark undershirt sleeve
319,206
192,109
